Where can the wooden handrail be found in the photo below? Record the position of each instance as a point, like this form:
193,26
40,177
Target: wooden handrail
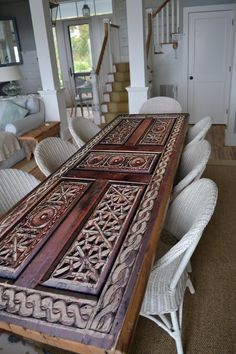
104,43
149,36
115,26
160,8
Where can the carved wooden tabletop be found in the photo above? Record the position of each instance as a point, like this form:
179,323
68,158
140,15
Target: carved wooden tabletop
75,254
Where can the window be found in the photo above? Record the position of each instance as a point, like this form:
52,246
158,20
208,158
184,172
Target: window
71,9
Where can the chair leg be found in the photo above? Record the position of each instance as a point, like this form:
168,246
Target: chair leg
75,111
190,286
71,111
177,333
189,267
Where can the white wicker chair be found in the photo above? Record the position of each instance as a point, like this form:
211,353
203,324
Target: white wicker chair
14,185
160,104
51,153
186,219
192,165
198,131
82,130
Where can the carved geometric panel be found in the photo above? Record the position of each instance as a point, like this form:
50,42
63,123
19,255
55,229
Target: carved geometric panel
121,133
19,245
158,132
119,161
85,265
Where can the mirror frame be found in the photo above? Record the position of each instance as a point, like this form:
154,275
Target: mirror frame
13,19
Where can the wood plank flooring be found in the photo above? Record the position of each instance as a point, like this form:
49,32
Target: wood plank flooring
215,136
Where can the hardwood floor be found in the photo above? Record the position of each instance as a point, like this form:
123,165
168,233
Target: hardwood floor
216,136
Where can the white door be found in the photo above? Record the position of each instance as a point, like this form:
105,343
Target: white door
209,64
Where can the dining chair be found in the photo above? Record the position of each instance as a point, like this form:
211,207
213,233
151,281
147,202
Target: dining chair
160,104
84,94
192,165
14,185
82,130
51,153
186,219
198,131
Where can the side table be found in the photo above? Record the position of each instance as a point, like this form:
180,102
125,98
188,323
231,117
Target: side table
30,139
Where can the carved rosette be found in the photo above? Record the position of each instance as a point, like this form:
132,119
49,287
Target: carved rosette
17,246
84,265
117,161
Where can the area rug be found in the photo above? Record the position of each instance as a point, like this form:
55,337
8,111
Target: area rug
209,324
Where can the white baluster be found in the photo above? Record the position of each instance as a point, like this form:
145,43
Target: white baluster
162,26
96,103
177,14
167,24
172,16
157,33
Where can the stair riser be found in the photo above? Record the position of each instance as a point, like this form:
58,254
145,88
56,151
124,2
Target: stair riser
124,76
116,97
118,107
122,67
117,86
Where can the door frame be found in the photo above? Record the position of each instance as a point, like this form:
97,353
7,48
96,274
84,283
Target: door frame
186,12
73,22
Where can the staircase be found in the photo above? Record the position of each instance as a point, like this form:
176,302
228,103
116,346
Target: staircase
116,97
166,26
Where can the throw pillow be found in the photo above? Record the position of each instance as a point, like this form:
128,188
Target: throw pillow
10,113
32,104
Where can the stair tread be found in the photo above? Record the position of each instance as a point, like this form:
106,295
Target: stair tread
120,102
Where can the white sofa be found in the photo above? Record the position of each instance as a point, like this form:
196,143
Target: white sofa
18,115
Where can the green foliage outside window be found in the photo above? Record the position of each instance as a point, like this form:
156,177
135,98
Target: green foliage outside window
80,46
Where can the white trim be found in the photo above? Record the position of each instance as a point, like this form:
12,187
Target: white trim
230,138
186,12
137,96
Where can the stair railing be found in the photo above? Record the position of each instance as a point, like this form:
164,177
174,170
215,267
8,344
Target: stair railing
149,45
166,18
109,54
167,23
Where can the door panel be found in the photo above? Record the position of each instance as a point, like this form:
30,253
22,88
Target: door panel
210,37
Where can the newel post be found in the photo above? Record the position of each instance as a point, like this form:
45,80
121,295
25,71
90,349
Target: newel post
96,102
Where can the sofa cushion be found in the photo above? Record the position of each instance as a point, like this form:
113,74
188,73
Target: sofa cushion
10,112
32,104
20,101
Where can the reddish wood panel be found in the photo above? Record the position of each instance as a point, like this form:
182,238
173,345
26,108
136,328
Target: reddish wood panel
76,247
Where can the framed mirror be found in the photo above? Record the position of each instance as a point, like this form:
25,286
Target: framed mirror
10,51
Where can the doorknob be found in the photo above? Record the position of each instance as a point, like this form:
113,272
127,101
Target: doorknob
190,77
70,71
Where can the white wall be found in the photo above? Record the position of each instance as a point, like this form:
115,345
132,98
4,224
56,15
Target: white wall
120,19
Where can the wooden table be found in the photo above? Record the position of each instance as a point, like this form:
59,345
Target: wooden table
30,139
75,254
